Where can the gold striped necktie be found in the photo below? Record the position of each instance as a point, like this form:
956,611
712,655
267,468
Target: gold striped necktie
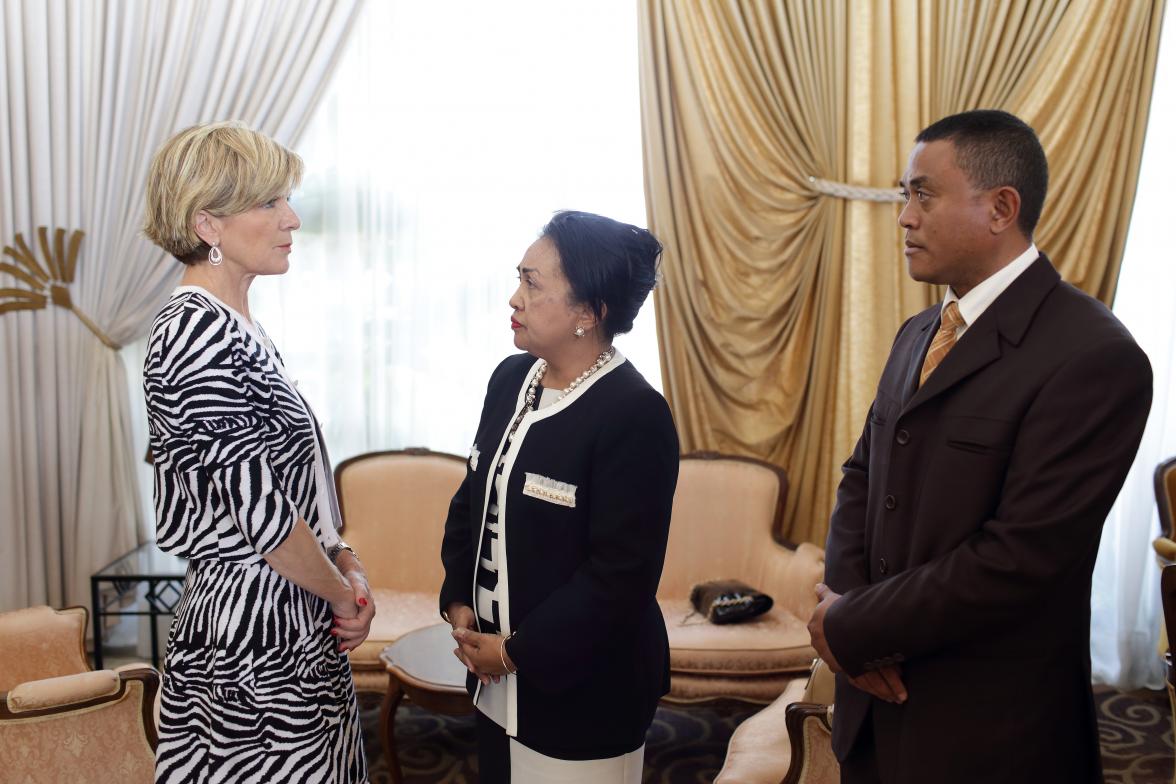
945,338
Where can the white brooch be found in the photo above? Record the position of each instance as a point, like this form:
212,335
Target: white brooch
474,454
547,489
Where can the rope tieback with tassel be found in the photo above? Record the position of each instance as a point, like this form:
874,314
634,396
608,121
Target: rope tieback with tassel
843,190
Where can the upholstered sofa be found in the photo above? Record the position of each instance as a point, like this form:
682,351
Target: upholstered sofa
726,513
726,524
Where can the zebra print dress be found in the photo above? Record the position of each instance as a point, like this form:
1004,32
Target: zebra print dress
254,687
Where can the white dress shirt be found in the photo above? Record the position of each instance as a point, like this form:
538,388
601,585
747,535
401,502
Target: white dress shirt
976,301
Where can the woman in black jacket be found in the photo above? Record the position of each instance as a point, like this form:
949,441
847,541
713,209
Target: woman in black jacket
555,541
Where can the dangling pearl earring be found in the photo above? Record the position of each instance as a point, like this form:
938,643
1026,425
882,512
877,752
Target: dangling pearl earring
215,257
579,332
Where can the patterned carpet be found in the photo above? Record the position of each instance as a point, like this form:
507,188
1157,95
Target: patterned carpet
1135,732
687,745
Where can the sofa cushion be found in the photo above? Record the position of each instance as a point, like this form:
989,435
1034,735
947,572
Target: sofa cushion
775,642
397,614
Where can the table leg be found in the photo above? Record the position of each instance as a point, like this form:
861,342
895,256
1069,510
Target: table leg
392,699
95,615
153,616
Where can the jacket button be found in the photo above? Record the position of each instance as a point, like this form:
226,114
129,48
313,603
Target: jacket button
890,503
902,437
882,568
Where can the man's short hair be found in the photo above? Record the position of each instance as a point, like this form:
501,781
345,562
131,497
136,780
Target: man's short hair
995,149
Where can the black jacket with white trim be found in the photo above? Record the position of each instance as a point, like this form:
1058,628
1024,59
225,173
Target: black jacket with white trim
589,488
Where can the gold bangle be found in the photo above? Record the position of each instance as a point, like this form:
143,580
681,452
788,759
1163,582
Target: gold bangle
502,655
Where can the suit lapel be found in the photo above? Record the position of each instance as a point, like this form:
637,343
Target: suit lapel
922,343
1007,317
979,346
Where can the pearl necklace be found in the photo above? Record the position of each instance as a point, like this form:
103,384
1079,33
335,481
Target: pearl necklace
605,357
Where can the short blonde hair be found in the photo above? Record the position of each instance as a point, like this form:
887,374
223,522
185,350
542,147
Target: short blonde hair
222,168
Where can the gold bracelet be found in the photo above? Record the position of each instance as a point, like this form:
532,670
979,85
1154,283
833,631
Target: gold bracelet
502,655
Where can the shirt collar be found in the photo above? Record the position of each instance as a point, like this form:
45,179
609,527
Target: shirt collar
973,304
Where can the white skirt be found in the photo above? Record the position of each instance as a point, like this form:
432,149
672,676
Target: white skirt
530,767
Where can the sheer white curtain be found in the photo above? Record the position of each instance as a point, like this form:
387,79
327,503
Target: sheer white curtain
449,135
89,90
1125,596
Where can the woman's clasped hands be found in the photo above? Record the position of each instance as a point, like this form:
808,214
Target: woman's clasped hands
483,654
353,619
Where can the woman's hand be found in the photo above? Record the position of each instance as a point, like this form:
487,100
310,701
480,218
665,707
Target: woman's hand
345,608
352,630
461,617
484,654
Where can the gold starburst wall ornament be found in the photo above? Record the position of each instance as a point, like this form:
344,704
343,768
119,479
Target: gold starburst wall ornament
46,283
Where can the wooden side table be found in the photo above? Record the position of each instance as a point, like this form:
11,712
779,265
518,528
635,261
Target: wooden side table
421,666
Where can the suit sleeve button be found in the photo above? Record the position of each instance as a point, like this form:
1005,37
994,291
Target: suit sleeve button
882,567
902,437
890,502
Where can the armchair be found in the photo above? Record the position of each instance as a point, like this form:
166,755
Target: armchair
394,506
788,742
810,732
90,726
725,523
1164,481
1168,598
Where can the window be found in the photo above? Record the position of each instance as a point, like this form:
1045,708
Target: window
449,134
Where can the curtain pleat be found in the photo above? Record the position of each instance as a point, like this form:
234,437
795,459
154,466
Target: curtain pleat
90,90
778,304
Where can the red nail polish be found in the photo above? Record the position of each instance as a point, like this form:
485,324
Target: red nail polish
362,602
335,632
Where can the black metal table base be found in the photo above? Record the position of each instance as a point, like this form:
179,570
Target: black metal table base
164,578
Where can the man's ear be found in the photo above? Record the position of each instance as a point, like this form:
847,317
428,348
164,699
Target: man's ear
207,228
1006,208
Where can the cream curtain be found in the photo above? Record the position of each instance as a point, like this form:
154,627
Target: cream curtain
418,225
89,90
779,302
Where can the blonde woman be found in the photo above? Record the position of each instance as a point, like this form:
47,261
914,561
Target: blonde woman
257,684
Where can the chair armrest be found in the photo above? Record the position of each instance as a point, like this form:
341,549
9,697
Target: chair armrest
95,707
821,685
1165,548
790,576
133,669
133,666
63,690
810,733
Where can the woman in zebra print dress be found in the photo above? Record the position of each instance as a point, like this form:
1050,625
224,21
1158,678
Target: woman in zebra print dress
257,685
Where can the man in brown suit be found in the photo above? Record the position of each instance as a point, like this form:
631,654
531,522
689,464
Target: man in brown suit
957,604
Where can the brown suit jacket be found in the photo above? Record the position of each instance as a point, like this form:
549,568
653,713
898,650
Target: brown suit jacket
965,533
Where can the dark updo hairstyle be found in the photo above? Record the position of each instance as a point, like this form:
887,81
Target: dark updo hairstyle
611,266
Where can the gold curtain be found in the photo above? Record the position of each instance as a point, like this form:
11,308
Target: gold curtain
778,304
